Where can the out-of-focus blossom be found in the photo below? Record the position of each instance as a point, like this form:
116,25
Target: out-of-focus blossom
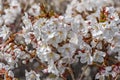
1,21
4,32
103,73
32,75
115,70
34,10
15,7
12,12
1,5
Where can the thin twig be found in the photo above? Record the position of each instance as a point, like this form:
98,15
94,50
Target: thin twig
71,73
63,77
116,77
83,72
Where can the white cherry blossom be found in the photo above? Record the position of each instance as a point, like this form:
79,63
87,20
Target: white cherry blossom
67,50
99,56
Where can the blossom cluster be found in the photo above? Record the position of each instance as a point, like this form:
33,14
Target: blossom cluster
88,32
